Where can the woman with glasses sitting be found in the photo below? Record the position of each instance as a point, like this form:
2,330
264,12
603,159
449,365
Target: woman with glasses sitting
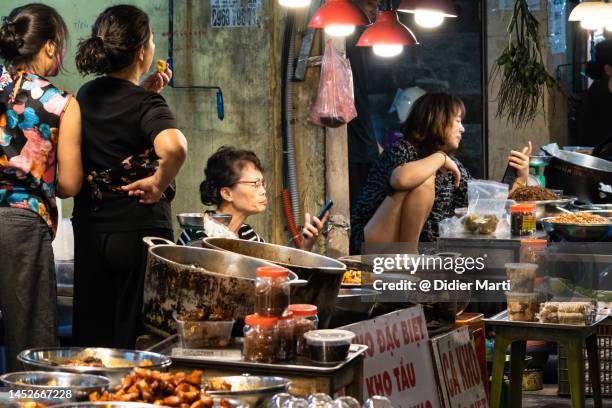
234,184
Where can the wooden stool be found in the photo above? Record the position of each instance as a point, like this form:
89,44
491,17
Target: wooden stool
572,339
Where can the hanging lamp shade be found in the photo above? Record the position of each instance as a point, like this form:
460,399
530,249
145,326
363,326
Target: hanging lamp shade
338,17
444,7
592,15
387,30
387,35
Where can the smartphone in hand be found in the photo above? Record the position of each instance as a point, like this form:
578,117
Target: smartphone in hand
326,207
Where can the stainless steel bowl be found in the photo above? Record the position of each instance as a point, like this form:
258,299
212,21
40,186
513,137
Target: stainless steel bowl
109,404
594,207
116,404
118,362
577,232
250,389
67,386
187,220
356,300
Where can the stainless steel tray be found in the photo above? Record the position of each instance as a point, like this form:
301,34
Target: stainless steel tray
501,319
195,358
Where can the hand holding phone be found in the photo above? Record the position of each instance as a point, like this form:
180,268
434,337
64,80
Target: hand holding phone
326,207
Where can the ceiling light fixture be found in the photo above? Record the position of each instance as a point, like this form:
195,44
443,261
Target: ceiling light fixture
338,18
387,36
428,13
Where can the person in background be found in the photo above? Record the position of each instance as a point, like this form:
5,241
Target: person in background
595,126
40,158
363,149
234,185
418,182
132,151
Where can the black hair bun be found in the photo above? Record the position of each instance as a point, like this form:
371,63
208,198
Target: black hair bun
10,41
209,193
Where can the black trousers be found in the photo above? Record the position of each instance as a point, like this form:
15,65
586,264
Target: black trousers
109,270
28,290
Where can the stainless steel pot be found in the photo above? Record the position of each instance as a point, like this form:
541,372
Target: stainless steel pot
579,175
118,362
55,385
324,275
180,277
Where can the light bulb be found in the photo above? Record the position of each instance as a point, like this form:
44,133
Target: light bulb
388,50
428,19
294,3
592,23
336,30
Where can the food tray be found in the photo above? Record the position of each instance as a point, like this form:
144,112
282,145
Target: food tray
501,319
228,358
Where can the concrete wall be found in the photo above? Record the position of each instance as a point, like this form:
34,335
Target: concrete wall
549,127
245,62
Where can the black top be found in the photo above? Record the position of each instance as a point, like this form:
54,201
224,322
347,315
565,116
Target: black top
119,120
378,187
596,117
362,145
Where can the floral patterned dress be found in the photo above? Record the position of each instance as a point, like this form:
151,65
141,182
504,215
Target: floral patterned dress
31,109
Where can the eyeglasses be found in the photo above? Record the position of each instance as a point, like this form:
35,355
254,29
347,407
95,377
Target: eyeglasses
255,184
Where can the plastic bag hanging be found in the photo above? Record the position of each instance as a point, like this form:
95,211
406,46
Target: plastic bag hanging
335,103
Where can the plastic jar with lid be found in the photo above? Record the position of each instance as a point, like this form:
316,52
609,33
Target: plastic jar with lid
271,291
305,319
523,219
532,251
260,338
286,338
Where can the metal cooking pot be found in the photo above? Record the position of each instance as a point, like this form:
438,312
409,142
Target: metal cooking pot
324,275
180,277
579,175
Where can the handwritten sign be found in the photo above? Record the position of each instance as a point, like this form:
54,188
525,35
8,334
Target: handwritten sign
398,362
235,13
458,370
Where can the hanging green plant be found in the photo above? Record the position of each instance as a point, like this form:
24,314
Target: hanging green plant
521,67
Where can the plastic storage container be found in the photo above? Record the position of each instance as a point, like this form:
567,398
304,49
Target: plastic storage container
286,337
260,339
271,291
522,276
329,346
522,307
204,334
305,319
523,219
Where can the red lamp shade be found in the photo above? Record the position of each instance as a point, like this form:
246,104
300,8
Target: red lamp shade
338,12
387,30
442,6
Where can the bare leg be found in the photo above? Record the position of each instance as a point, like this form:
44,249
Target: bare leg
402,215
416,209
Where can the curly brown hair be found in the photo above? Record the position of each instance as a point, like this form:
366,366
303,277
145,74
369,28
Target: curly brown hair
428,121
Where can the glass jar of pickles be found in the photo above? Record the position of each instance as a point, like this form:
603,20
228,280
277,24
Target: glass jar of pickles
305,319
260,339
271,291
523,219
286,337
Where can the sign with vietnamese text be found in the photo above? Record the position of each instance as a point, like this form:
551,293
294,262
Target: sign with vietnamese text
235,13
458,370
398,362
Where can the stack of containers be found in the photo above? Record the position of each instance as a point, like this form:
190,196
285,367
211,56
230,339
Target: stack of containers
270,333
523,299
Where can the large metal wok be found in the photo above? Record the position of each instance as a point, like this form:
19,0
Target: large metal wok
180,277
324,275
579,175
